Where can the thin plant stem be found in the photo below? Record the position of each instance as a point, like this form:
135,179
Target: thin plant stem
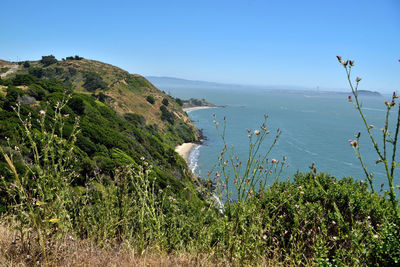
382,156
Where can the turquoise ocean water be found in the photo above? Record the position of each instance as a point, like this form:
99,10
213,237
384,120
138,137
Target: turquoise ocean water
315,128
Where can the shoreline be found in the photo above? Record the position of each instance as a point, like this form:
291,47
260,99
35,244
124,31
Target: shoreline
185,149
196,108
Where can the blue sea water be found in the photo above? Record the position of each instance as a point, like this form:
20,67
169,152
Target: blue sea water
315,128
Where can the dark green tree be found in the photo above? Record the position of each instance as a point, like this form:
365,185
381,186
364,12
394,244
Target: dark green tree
166,115
24,79
48,60
150,99
37,72
165,102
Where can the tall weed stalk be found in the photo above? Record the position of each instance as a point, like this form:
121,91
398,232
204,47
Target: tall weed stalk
389,140
241,185
251,176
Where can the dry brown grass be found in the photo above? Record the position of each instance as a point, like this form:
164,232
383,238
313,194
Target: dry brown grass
124,100
71,252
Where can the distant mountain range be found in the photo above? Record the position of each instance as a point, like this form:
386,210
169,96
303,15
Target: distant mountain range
166,83
369,93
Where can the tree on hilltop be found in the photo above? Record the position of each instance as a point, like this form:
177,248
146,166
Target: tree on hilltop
48,60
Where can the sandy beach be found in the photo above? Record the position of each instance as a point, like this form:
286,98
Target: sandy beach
196,108
184,150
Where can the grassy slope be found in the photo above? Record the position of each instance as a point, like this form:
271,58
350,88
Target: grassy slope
125,93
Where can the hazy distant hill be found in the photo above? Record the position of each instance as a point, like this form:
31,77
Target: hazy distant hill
171,82
369,93
166,83
177,82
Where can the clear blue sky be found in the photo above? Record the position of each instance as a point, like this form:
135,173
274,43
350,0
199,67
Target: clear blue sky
256,42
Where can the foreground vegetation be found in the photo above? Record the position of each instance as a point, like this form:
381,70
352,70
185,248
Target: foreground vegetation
314,219
55,210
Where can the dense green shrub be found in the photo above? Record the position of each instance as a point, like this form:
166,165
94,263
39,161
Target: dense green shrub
386,252
165,102
167,115
101,97
11,98
2,100
24,79
184,131
27,64
94,81
37,72
53,86
36,91
86,145
77,105
315,217
6,82
150,99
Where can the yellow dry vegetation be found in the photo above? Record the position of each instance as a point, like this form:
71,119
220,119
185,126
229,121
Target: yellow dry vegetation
70,251
125,98
126,92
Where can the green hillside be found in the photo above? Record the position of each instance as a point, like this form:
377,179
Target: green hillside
123,117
